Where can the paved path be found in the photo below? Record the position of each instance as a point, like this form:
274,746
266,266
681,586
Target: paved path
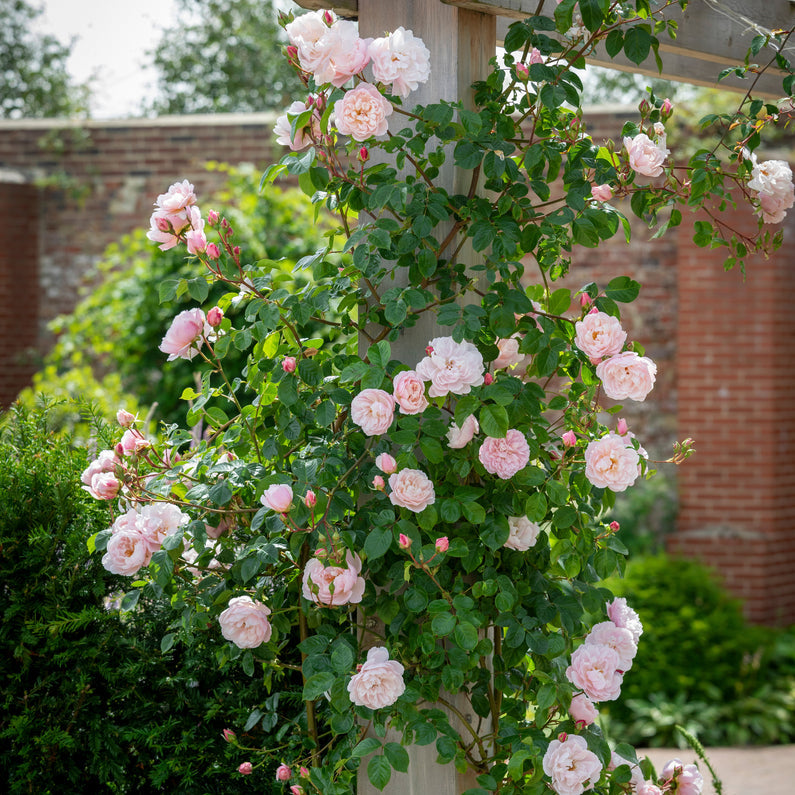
766,770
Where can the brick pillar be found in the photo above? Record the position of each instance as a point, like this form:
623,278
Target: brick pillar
736,398
19,288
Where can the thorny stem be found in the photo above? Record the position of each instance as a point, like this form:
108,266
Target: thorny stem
303,629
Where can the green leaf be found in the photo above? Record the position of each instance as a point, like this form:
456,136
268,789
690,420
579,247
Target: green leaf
535,507
614,42
493,421
167,642
129,601
398,756
378,541
379,771
342,657
622,289
443,624
591,13
366,747
466,636
317,685
637,44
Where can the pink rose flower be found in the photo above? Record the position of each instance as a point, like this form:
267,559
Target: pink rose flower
599,335
611,464
412,489
582,710
245,768
688,779
106,461
461,437
127,552
534,56
645,156
343,55
104,486
569,439
379,683
378,483
283,773
373,410
158,520
303,134
409,391
289,364
278,498
362,113
215,315
634,770
195,239
400,60
177,198
627,375
125,418
622,615
595,670
451,367
386,463
133,441
307,34
509,354
648,788
772,179
245,622
571,766
523,533
505,457
332,585
602,193
620,639
184,337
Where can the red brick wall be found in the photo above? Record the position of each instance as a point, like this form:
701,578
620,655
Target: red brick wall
19,283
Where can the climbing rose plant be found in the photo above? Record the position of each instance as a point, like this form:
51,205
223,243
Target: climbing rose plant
416,541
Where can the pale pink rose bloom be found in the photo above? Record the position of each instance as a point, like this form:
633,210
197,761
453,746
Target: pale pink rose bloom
362,113
509,354
611,464
688,779
412,489
245,622
451,367
505,457
195,238
409,391
772,179
178,198
283,773
216,531
401,60
569,439
634,769
461,437
373,410
622,615
106,461
599,335
582,710
523,533
620,639
278,497
627,375
133,441
289,364
343,55
126,553
595,670
332,585
307,33
571,766
602,193
303,135
158,520
386,463
648,788
104,486
645,156
379,683
184,337
773,208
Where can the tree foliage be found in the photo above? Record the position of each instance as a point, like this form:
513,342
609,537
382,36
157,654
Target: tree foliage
34,82
223,56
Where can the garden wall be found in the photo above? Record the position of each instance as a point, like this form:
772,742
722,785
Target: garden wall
722,345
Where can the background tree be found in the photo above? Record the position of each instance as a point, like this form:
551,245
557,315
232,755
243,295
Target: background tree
223,56
35,82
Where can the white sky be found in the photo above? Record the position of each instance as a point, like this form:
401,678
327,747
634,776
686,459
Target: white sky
111,39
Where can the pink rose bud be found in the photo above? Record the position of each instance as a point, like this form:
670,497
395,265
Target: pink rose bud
310,500
212,217
163,224
621,426
562,737
585,300
120,451
215,316
442,544
644,106
522,72
535,56
124,418
386,463
404,542
378,483
569,439
303,772
283,773
488,379
593,311
667,108
328,17
614,526
236,250
292,53
288,364
364,154
296,790
229,735
212,251
428,350
245,768
602,193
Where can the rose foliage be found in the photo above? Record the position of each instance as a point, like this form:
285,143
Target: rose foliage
405,519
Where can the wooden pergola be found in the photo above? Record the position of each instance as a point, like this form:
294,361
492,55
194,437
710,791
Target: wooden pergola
462,35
